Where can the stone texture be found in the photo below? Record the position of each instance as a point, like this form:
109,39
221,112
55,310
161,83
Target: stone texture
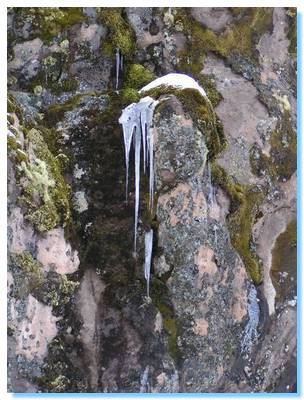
106,336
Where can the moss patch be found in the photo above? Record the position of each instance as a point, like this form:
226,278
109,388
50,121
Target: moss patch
244,208
208,83
240,37
201,112
283,151
284,262
138,76
292,30
121,35
159,298
282,162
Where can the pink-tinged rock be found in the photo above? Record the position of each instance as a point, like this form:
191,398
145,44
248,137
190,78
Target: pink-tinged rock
56,254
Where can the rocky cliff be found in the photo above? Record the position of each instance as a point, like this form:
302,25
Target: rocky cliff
221,315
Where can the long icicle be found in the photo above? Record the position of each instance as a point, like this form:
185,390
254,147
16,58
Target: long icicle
137,180
136,120
148,257
118,66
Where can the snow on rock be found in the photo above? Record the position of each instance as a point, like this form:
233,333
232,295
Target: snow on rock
180,81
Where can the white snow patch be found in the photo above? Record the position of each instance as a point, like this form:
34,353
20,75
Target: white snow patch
180,81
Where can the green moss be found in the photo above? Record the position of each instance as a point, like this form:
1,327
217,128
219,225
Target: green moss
234,190
138,76
120,35
244,208
130,95
283,151
240,226
261,164
48,22
240,37
201,112
282,162
158,296
208,83
284,259
292,31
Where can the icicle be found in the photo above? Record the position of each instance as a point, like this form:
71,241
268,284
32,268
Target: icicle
137,180
128,126
121,62
148,257
144,135
118,66
151,180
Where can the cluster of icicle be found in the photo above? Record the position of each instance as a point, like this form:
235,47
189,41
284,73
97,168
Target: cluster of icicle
136,120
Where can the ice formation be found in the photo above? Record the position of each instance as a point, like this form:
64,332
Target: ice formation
250,335
119,66
136,120
179,81
148,255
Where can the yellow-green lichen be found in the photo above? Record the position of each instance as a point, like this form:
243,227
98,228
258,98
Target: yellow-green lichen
121,35
48,22
45,192
62,295
59,384
28,264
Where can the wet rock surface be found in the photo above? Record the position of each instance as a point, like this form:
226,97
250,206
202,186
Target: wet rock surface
225,199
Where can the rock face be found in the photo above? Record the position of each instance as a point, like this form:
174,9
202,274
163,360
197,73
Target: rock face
208,282
222,312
